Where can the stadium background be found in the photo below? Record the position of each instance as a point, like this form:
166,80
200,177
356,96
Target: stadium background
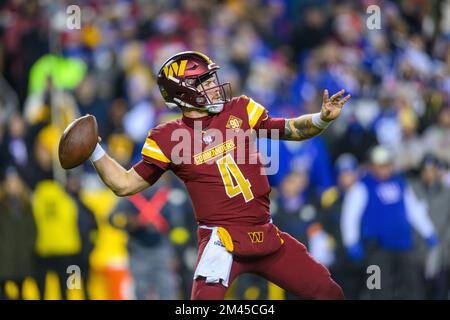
282,53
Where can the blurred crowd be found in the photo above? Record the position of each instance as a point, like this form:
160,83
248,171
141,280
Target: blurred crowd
389,150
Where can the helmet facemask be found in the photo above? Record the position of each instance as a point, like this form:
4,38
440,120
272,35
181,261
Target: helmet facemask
203,100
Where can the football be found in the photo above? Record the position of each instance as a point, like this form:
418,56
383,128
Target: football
78,141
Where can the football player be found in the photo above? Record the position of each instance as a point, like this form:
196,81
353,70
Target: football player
230,196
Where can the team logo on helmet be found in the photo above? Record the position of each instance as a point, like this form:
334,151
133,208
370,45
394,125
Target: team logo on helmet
175,68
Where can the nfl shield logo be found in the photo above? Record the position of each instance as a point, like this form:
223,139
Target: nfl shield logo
207,139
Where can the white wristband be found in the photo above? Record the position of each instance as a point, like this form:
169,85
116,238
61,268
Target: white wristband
318,122
98,153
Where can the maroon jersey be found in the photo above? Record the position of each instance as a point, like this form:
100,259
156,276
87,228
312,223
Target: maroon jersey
222,171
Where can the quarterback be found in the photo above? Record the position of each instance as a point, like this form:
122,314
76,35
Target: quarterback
230,195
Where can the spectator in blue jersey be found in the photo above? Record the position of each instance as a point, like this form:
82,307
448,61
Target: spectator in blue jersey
347,272
311,158
379,216
386,126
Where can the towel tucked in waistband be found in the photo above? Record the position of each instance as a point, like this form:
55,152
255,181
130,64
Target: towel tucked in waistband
215,262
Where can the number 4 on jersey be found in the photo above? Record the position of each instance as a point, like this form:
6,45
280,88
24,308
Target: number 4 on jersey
228,167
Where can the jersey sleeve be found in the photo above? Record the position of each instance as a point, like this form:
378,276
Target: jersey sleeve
256,113
155,150
258,118
148,171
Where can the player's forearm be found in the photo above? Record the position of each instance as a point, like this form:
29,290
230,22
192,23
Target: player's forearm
310,125
300,128
121,181
113,175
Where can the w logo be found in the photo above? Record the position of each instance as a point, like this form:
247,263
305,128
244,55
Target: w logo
175,69
256,237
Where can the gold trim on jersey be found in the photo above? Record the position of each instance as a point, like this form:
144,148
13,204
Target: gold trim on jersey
214,152
152,150
254,112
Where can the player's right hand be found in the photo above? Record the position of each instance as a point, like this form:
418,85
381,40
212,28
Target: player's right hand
331,107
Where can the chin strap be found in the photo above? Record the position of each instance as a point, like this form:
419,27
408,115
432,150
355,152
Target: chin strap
214,108
211,108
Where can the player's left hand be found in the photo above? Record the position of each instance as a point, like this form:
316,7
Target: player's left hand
331,107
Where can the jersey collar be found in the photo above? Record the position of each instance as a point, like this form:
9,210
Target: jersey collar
205,121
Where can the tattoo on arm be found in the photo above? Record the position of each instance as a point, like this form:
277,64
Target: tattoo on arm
300,128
